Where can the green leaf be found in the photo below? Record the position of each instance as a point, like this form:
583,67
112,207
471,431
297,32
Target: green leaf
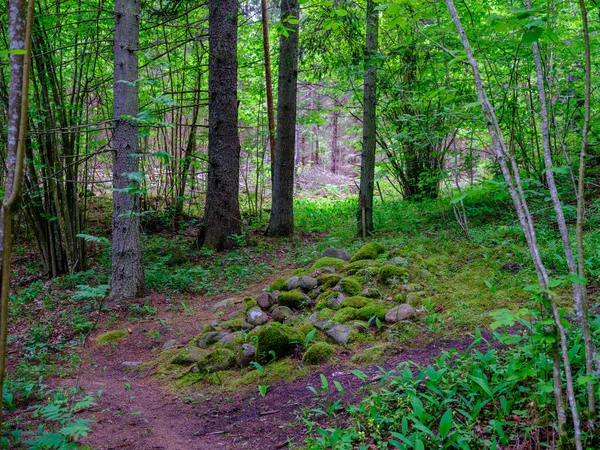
576,279
532,35
458,199
445,424
360,374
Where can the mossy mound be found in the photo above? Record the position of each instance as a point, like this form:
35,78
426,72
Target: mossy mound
369,251
300,272
344,315
369,311
307,328
278,338
322,298
279,285
370,355
392,274
293,300
356,302
188,356
328,280
111,337
350,286
216,361
235,325
328,261
250,304
354,267
325,314
318,353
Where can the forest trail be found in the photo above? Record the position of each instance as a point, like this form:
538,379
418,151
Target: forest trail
137,412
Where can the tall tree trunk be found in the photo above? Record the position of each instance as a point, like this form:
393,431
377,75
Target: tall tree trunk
367,165
334,143
127,270
19,30
222,217
268,78
281,222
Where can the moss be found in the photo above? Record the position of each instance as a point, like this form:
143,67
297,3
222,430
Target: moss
355,267
344,315
350,286
323,297
250,304
367,312
216,361
328,261
293,299
328,280
355,302
369,251
325,314
370,355
300,272
371,293
111,337
318,353
279,285
234,325
187,356
278,338
306,328
389,273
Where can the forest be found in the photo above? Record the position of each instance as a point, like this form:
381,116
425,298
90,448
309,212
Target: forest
301,224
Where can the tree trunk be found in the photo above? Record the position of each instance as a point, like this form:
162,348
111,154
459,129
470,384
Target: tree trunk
222,217
268,78
334,143
127,270
281,222
19,30
367,166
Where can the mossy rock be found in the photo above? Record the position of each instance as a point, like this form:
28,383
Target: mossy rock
392,274
318,353
328,280
344,315
111,337
325,314
369,311
306,328
300,272
188,356
371,355
371,293
355,267
328,261
322,298
350,286
250,304
216,361
278,338
356,302
369,251
235,325
293,300
279,285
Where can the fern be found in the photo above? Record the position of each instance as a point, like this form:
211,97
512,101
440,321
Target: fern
76,428
98,240
87,292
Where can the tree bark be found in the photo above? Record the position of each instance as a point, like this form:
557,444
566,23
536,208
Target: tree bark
127,279
19,31
281,222
334,143
367,165
222,217
268,78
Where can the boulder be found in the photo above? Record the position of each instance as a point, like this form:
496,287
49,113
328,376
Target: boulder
392,275
318,353
318,322
168,345
188,356
265,300
256,316
216,361
337,253
399,313
245,355
328,261
369,251
207,339
230,338
322,271
307,283
294,300
279,339
336,300
292,283
281,313
340,334
224,303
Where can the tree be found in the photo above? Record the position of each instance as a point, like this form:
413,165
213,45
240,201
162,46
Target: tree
20,20
222,219
367,165
127,270
281,222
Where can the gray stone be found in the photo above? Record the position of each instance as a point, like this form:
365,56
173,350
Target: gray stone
230,338
224,303
292,283
424,273
319,324
281,313
276,295
245,355
171,343
210,338
339,333
399,313
256,316
337,253
236,314
307,283
265,300
188,356
371,293
335,300
130,365
322,271
407,287
398,261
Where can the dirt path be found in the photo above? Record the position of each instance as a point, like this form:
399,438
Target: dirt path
136,412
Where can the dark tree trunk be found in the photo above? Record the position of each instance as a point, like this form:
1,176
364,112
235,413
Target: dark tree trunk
367,166
281,222
222,217
334,143
127,271
268,78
